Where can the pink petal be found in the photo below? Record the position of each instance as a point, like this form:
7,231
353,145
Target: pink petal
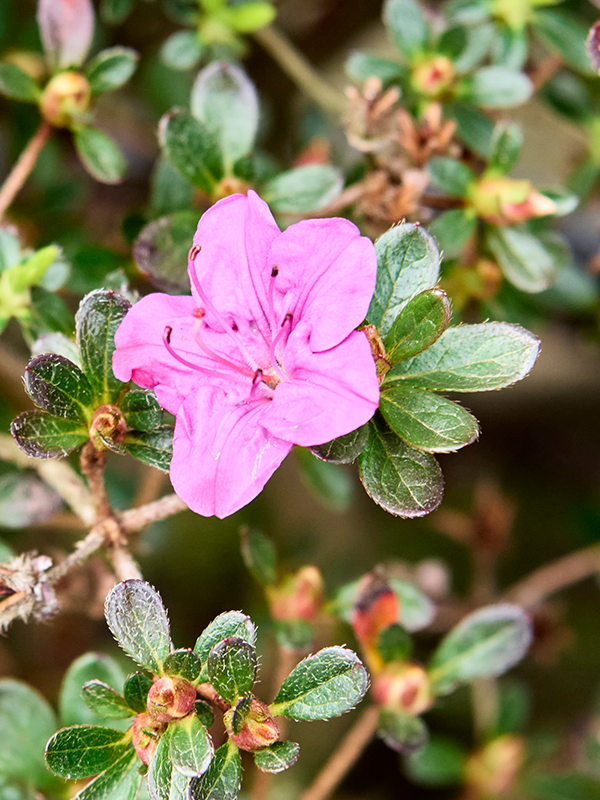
235,236
327,270
66,29
222,456
329,393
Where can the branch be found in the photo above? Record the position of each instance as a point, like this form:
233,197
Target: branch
22,169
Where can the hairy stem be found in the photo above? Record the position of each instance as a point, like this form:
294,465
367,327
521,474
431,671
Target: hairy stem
296,67
22,169
344,758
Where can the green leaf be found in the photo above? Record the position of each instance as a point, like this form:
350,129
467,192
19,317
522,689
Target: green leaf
231,623
452,177
204,713
569,96
141,410
100,314
44,436
402,480
232,666
100,155
138,620
471,358
331,485
169,191
191,746
553,786
88,667
224,99
361,66
420,323
111,68
222,779
10,249
495,87
121,781
344,449
486,643
473,127
394,643
49,313
191,148
57,385
440,763
278,757
26,500
505,148
86,750
161,250
104,701
523,259
26,723
407,26
260,558
408,262
294,634
31,269
183,663
566,202
565,36
114,12
322,686
427,421
182,50
250,16
165,782
479,42
16,83
510,48
416,609
135,691
402,732
303,189
154,447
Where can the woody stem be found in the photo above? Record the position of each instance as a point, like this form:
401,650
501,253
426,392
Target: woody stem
22,169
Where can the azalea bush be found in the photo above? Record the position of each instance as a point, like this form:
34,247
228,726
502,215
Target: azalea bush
252,305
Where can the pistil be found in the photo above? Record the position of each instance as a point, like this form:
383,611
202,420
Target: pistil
285,325
213,373
199,314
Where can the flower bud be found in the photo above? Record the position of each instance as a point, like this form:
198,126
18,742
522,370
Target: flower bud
298,596
506,201
170,698
65,99
109,423
434,77
376,607
492,770
258,728
403,687
145,735
229,185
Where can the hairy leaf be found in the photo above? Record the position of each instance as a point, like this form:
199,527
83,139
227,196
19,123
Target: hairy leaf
344,449
232,666
421,323
111,68
191,148
231,623
121,781
136,690
100,155
57,385
303,189
154,447
191,746
183,663
258,552
85,750
522,257
402,732
104,701
88,667
141,410
222,779
44,436
161,250
278,757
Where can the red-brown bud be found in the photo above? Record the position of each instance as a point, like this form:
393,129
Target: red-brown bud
433,77
376,607
110,423
492,770
298,596
65,99
258,729
145,735
170,698
403,687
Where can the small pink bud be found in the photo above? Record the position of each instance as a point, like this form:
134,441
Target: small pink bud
492,770
65,98
403,687
110,422
506,201
170,698
376,607
259,729
298,596
145,735
66,29
434,77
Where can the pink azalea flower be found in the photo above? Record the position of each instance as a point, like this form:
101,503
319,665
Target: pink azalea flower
263,355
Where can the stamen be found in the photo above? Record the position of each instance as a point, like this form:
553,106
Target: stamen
271,296
287,321
209,352
256,381
167,343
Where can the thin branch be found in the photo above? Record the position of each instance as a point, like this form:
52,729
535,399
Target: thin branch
137,518
93,463
296,67
344,758
545,70
22,169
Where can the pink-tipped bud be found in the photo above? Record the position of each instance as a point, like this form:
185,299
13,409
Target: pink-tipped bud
145,735
506,201
107,423
171,698
403,687
258,728
298,596
66,29
376,607
493,770
66,98
433,77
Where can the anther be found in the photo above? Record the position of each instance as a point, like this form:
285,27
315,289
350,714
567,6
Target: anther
275,271
194,251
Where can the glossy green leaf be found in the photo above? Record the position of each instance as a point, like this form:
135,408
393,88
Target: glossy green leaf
191,746
408,262
495,87
303,189
471,358
402,480
522,257
85,750
111,68
225,100
138,620
402,732
250,16
88,667
170,192
154,447
417,611
222,779
100,155
564,35
486,643
141,410
426,420
165,782
25,499
329,482
100,314
260,557
26,723
420,323
394,643
278,757
322,686
452,177
183,663
57,385
49,313
121,781
231,623
294,634
344,449
135,691
16,83
182,50
361,66
505,148
191,148
408,28
104,701
161,250
204,713
472,126
440,763
41,435
232,666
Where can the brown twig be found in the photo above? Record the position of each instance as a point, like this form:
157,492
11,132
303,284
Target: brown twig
93,463
22,169
548,67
